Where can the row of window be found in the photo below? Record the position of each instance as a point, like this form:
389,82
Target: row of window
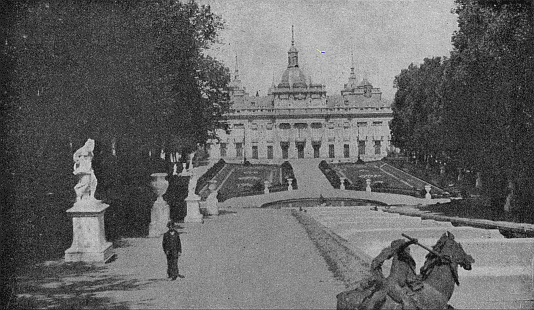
330,125
300,150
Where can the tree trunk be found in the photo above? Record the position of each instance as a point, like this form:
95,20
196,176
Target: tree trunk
510,204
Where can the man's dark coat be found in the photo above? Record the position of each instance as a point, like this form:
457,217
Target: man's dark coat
172,246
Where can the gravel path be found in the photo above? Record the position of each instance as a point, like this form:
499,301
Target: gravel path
251,259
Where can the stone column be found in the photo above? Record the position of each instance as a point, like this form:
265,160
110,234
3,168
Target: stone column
193,210
368,185
193,202
191,156
427,189
342,183
289,184
89,238
160,213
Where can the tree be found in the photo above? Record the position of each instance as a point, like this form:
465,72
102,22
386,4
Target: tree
115,70
476,106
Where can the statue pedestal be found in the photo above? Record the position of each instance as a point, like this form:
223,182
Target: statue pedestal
89,238
211,204
193,209
159,217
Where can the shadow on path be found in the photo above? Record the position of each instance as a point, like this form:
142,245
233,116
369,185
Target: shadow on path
61,285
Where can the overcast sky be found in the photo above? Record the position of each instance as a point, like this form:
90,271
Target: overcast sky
384,35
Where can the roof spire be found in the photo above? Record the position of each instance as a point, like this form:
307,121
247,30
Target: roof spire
292,36
236,74
352,62
292,54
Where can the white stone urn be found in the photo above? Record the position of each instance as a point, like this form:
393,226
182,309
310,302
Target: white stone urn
289,184
185,172
368,185
427,189
160,213
159,185
342,183
212,185
211,202
266,185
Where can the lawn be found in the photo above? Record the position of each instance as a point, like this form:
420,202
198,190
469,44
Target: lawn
384,177
238,180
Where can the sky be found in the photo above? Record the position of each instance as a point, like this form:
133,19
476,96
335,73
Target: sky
384,36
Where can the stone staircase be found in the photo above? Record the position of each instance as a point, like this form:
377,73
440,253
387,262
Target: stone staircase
502,276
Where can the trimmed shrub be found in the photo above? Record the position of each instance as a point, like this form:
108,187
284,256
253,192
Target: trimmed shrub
330,174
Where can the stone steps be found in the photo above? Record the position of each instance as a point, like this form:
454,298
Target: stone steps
502,276
434,233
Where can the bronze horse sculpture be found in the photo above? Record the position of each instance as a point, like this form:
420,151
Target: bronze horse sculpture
438,276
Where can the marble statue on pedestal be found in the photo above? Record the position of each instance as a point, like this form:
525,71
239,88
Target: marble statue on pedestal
87,182
89,238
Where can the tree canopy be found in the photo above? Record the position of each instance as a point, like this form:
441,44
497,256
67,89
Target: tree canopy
129,71
474,108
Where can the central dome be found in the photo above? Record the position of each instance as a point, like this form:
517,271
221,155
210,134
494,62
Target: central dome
293,77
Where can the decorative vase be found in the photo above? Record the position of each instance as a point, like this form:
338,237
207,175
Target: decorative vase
427,189
212,186
159,185
368,185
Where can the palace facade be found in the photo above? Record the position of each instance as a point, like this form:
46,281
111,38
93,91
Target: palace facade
298,120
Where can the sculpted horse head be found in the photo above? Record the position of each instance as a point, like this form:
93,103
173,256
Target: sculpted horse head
451,253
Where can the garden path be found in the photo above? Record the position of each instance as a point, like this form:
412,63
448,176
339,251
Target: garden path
244,258
310,179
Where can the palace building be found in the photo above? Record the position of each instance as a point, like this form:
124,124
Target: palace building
297,119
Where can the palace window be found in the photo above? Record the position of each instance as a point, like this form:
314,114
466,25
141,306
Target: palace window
377,123
361,147
362,124
284,126
346,151
269,152
255,152
331,151
239,150
378,145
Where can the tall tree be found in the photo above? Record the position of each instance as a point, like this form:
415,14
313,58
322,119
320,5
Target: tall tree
132,71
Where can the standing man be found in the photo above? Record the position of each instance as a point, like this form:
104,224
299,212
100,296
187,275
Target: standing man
172,247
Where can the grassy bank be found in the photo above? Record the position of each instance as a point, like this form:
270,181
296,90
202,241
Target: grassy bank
346,265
